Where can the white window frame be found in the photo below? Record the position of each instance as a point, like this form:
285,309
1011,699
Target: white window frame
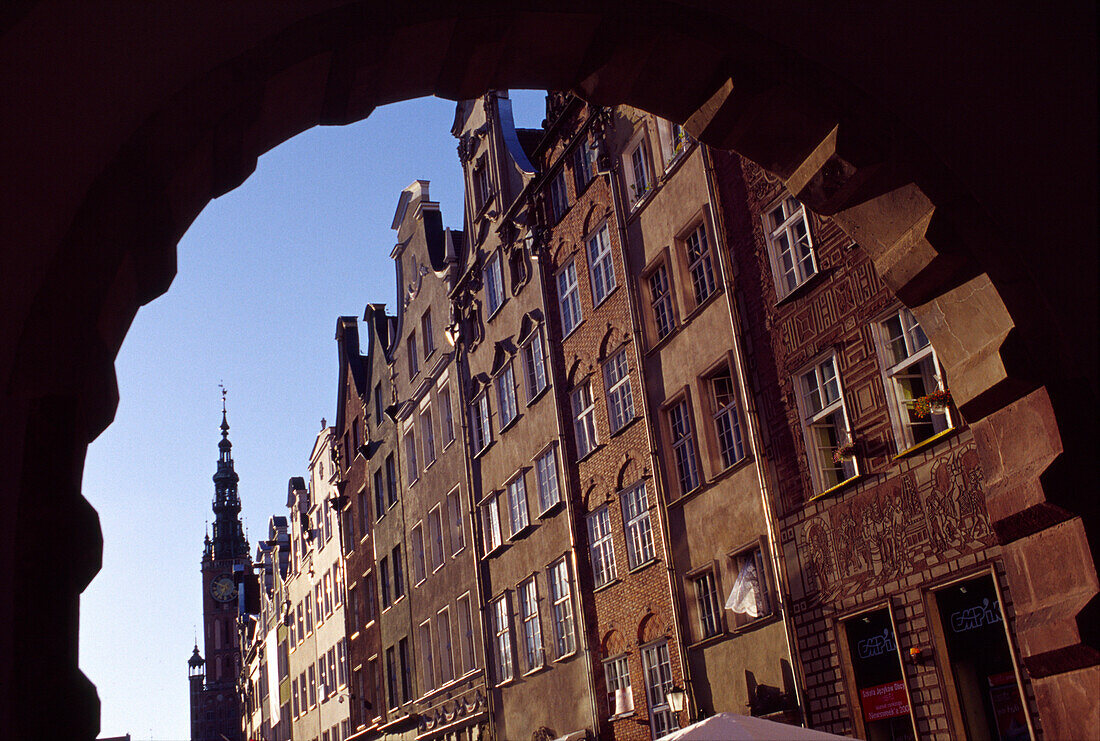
427,657
505,383
516,495
708,610
466,626
534,655
764,601
481,431
616,671
569,299
456,526
412,468
491,530
726,418
601,546
427,434
582,160
436,548
898,355
584,419
546,474
501,611
674,141
601,266
821,412
684,451
494,284
657,672
699,258
788,271
638,170
638,526
559,197
446,420
445,646
660,301
620,399
561,606
534,366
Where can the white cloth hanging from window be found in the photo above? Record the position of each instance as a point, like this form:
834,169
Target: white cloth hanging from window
744,597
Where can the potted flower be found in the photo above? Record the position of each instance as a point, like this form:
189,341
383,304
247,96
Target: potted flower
933,403
845,452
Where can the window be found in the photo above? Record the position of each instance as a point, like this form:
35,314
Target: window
674,140
454,519
529,623
426,333
446,653
446,416
427,669
517,504
294,629
311,672
789,246
435,533
301,623
601,547
636,171
699,264
482,187
620,401
561,606
749,597
337,585
309,613
353,608
406,669
342,662
824,424
494,284
584,419
379,495
466,630
372,604
620,698
378,404
294,696
502,629
328,594
727,420
480,430
639,530
559,199
569,298
660,301
658,681
398,573
706,603
534,365
683,446
506,396
391,678
419,572
546,471
583,157
384,571
413,469
410,350
364,513
427,434
601,268
391,479
490,513
910,371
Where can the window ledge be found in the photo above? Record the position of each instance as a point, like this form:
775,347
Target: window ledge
800,289
495,550
625,425
511,423
575,327
927,443
523,532
606,586
484,448
640,202
537,670
507,682
623,716
643,566
565,657
753,624
709,641
743,462
719,289
606,296
447,444
551,510
429,464
590,453
538,395
838,487
496,311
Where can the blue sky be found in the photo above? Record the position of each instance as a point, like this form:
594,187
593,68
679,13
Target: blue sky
263,273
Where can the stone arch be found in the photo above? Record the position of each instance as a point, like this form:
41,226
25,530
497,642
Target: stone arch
651,628
612,644
162,123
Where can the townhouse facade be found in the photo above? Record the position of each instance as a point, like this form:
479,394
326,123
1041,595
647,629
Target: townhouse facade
644,442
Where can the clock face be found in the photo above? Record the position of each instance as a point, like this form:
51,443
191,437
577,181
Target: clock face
222,588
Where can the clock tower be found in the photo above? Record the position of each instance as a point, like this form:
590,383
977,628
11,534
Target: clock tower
225,556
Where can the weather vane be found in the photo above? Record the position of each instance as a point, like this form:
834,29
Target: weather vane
222,387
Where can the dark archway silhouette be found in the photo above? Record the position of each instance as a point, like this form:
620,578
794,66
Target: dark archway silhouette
956,145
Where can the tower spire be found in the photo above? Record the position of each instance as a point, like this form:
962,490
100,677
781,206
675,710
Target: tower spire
229,541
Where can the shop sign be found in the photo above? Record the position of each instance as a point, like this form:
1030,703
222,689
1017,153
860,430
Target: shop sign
1007,708
884,701
987,613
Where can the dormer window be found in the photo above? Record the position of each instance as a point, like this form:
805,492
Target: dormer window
482,188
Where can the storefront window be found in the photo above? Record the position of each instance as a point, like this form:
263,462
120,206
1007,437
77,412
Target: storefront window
981,664
878,678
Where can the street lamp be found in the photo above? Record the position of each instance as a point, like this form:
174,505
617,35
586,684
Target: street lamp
676,699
